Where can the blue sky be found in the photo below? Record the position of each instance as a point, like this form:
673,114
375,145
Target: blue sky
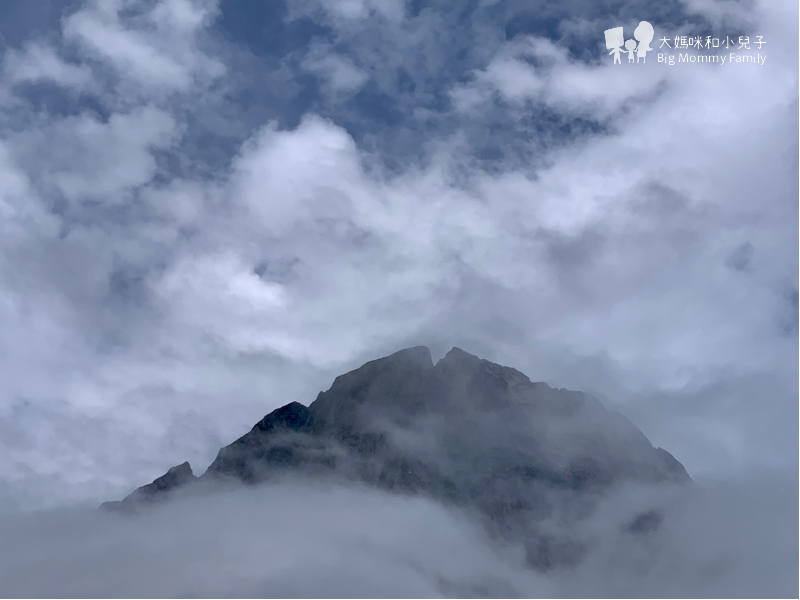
212,209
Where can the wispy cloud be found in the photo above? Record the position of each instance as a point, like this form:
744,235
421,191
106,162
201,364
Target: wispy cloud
295,539
561,216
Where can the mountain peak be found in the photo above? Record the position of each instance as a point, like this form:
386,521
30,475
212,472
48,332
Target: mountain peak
393,384
463,430
465,360
157,491
182,470
420,355
457,353
291,416
468,382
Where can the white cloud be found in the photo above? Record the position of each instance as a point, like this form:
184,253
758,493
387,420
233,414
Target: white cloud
220,296
339,72
348,11
257,284
536,70
41,63
158,49
88,159
292,538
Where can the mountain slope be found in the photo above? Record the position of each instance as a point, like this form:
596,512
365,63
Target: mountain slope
464,431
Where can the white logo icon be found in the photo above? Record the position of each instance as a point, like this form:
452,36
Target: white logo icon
615,40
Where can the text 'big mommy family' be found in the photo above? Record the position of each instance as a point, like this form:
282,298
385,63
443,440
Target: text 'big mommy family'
720,59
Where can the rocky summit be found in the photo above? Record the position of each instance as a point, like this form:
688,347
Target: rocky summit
464,431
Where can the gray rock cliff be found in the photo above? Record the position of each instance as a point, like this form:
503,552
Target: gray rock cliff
464,431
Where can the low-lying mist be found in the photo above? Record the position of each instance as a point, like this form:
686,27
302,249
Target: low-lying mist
298,539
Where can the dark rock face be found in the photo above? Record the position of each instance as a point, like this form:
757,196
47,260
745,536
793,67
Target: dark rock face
396,386
646,522
279,441
546,553
158,491
464,431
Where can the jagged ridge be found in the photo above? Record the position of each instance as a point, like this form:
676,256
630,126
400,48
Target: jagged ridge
494,441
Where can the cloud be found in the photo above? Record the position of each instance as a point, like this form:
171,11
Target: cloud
339,72
41,63
156,49
86,159
349,11
537,70
569,219
294,539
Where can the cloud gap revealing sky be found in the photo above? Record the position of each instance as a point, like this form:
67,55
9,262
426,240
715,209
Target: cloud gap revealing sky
210,209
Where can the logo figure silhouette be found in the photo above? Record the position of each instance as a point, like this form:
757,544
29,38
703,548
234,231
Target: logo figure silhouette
630,45
614,40
643,33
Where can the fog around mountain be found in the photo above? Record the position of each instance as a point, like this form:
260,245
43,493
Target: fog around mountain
300,539
464,431
413,480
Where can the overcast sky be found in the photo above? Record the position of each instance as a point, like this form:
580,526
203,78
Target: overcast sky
209,210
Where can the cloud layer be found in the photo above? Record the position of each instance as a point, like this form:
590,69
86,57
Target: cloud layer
295,540
196,230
